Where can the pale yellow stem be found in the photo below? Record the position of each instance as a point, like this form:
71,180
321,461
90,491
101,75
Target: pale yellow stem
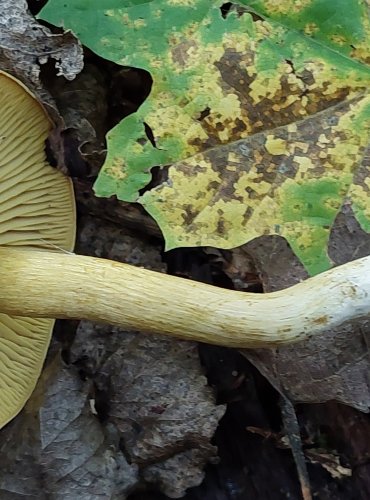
57,285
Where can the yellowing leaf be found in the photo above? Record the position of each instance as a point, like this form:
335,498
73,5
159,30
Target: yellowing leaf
264,125
291,183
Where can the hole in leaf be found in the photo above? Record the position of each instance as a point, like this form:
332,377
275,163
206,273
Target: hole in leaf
290,63
225,9
150,135
229,7
159,175
206,112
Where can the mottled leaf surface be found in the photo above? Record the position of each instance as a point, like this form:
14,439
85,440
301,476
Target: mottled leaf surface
262,119
344,24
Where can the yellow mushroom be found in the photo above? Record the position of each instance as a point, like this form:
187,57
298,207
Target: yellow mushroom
37,280
36,211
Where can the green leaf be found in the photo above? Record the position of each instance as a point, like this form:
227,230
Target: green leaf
263,121
343,25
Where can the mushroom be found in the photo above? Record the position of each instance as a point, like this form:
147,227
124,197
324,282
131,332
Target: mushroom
36,211
41,278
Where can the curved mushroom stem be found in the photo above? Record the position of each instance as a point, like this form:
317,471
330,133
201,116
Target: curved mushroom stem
57,285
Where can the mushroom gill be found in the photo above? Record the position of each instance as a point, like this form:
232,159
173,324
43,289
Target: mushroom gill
36,211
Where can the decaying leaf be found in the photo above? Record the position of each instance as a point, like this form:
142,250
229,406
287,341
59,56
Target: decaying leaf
83,105
25,45
329,461
336,365
155,394
163,409
264,124
290,182
57,449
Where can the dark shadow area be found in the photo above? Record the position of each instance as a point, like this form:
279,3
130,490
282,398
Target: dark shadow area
36,5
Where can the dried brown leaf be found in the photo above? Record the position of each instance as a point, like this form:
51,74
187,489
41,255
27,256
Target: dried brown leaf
334,366
25,45
154,389
57,449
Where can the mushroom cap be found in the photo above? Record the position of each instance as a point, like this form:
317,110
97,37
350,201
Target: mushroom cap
37,210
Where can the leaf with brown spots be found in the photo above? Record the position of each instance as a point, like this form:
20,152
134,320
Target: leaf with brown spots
344,24
264,125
